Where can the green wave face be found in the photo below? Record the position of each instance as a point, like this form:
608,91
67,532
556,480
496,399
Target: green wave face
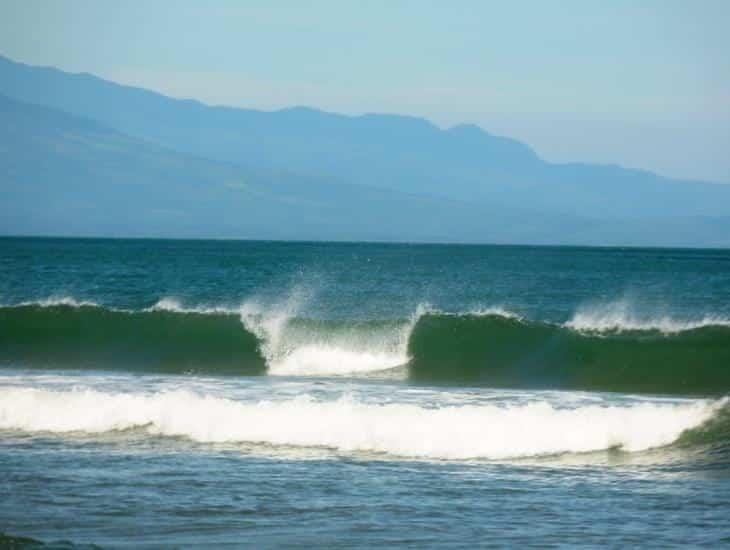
714,433
488,350
98,338
502,352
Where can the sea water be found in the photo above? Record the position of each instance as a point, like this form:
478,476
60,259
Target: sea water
182,393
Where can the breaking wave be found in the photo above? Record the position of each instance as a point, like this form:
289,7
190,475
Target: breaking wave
292,345
168,337
345,424
599,349
296,346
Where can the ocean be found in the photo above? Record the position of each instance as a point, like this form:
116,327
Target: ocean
173,393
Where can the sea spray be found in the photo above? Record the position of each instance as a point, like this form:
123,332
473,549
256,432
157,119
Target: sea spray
621,316
294,346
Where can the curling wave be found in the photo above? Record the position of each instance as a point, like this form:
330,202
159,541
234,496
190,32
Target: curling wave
168,337
345,424
506,352
86,336
491,347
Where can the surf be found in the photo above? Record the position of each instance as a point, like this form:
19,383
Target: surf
485,347
349,424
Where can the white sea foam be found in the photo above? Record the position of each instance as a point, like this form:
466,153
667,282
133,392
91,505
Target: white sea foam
53,301
345,424
621,316
168,304
308,350
325,360
498,311
174,305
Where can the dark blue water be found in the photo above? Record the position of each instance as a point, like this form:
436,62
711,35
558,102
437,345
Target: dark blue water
189,393
362,279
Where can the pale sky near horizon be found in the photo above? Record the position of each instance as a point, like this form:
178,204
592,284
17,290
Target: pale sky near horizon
642,84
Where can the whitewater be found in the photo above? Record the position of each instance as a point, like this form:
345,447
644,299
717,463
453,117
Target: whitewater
442,429
362,394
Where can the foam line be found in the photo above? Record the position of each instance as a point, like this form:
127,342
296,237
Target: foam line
345,424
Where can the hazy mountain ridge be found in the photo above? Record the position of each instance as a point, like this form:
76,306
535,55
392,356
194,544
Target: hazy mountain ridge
65,175
311,174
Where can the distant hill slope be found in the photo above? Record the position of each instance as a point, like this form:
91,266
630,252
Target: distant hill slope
65,175
404,154
70,174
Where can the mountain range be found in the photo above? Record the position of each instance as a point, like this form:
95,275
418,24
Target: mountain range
80,155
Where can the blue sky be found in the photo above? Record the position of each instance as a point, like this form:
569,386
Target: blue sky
644,84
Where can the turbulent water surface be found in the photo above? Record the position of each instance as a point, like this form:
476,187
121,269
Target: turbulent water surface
198,392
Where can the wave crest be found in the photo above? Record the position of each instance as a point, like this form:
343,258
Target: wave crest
54,301
621,317
505,352
490,346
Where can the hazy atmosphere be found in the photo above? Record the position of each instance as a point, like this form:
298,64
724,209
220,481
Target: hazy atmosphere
641,84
